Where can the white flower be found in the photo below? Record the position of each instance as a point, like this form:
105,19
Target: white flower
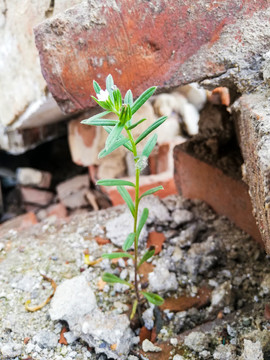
103,95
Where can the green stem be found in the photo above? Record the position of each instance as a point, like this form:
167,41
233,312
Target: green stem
136,205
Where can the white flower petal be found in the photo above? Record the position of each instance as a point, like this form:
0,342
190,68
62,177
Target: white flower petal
103,95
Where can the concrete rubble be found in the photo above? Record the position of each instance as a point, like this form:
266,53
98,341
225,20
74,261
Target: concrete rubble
108,333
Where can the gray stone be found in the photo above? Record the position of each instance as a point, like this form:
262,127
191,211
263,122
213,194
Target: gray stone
148,346
11,350
46,339
252,350
186,237
148,318
202,256
197,341
26,283
225,352
221,297
265,284
108,333
70,337
119,227
161,280
182,216
73,299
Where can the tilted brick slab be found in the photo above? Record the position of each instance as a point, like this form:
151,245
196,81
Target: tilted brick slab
253,119
142,43
196,179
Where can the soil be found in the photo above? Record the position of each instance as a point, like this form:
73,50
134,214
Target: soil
215,280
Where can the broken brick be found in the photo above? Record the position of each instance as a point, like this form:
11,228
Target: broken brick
196,179
156,239
36,196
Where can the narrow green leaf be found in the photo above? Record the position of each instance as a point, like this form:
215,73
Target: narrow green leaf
99,122
125,195
110,278
149,146
128,98
95,117
113,147
117,99
153,298
110,85
96,86
117,255
142,99
152,191
149,253
126,145
129,241
114,182
114,134
142,221
151,128
136,124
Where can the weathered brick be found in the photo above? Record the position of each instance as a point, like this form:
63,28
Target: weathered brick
84,44
36,196
196,179
72,192
253,119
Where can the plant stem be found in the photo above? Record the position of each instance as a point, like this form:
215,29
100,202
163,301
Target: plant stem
136,240
136,205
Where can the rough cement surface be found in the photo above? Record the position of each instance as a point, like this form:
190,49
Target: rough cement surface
238,283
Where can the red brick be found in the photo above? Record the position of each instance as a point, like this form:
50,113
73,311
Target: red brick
36,196
146,182
18,223
82,143
83,50
156,239
197,180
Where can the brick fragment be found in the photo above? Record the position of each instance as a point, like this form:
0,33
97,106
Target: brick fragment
72,193
36,196
144,55
196,179
34,177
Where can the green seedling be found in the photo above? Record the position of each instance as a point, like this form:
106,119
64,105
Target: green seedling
120,134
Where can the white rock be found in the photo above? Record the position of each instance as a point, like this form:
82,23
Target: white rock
197,341
11,350
148,346
148,318
108,333
73,299
173,341
46,339
70,337
178,357
182,216
161,280
195,94
252,350
191,119
169,130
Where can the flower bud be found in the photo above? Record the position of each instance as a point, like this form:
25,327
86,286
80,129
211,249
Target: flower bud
125,114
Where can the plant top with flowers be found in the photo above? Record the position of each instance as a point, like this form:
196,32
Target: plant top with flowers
120,134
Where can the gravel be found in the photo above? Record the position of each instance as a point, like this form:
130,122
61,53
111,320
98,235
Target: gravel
205,251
